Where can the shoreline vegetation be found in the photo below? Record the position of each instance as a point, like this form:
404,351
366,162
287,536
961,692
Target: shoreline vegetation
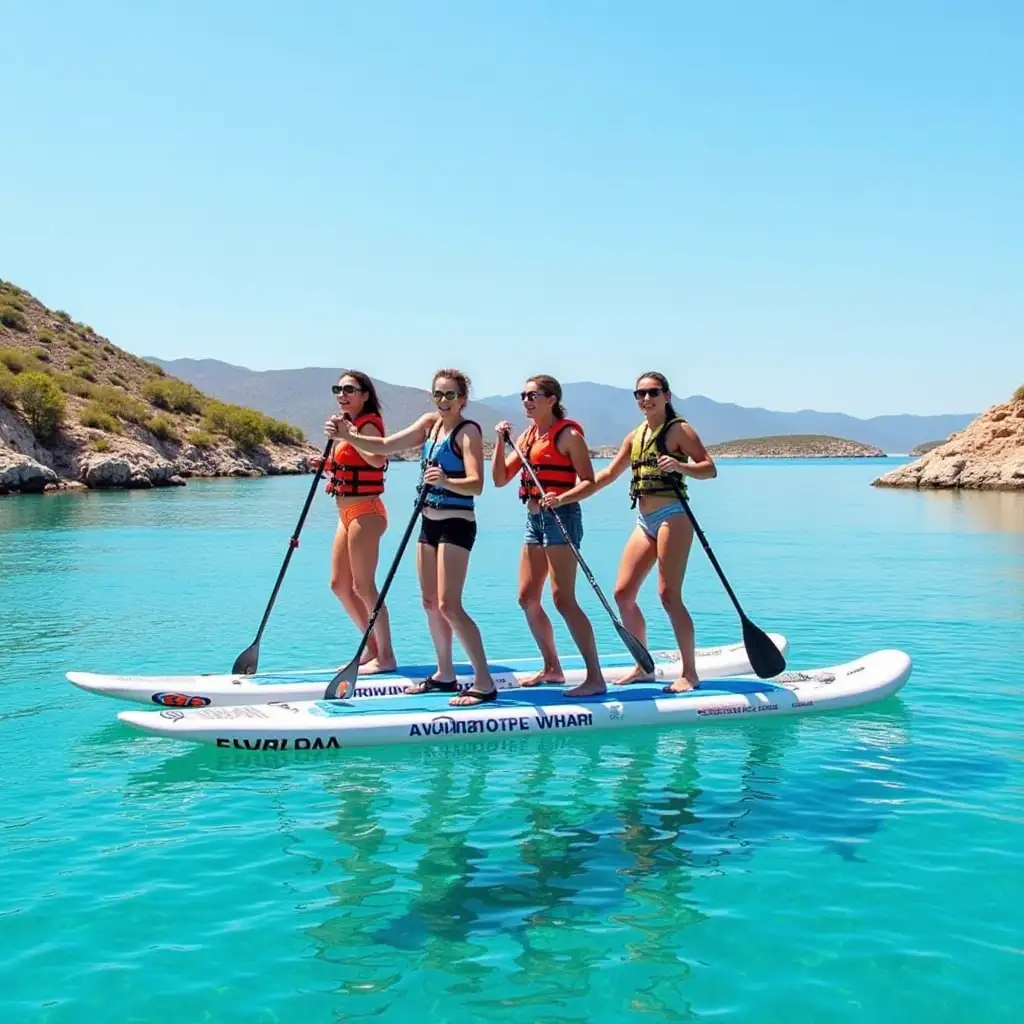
76,411
987,455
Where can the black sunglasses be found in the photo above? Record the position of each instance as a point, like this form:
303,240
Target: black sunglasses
345,389
532,396
445,396
647,393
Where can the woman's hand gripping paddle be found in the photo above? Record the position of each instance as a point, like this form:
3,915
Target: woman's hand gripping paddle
633,645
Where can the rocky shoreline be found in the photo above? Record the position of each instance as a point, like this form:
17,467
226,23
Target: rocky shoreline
988,454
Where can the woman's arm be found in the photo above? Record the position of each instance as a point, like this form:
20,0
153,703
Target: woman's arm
683,439
471,442
415,434
504,466
603,477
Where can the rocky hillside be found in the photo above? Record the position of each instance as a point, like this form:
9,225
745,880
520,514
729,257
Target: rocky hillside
988,454
924,449
76,410
794,446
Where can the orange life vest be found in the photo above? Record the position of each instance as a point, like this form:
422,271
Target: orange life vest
350,474
554,470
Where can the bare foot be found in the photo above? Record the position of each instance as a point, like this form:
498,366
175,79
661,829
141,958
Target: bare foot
638,675
683,685
553,676
369,652
588,688
376,666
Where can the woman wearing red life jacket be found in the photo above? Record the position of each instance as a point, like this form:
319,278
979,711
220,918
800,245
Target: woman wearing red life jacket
557,451
356,481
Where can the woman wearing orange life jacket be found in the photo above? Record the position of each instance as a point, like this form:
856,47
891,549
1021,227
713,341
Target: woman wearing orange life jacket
556,449
357,481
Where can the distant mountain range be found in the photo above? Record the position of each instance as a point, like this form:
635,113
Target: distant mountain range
303,397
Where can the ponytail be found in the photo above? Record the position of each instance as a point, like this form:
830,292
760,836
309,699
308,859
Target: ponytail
553,388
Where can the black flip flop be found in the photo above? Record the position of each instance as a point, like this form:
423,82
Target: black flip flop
432,685
481,698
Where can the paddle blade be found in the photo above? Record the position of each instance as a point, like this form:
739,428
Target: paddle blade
765,658
636,649
248,661
343,685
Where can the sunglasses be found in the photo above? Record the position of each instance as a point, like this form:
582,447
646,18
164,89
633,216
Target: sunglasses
647,393
345,389
532,396
445,396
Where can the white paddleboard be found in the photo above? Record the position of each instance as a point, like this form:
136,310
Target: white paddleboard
321,725
311,684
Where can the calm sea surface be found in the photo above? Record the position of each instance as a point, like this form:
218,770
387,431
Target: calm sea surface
866,865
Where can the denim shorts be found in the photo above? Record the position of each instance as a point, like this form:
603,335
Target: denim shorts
542,529
650,522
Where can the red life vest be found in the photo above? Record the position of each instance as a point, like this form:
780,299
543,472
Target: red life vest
554,470
350,475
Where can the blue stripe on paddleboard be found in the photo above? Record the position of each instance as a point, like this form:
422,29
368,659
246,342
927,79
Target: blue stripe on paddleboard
553,697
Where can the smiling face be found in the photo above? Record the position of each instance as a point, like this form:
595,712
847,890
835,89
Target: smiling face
351,396
537,401
447,395
651,396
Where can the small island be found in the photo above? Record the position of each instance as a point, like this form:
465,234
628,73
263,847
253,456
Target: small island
78,412
794,446
924,449
987,455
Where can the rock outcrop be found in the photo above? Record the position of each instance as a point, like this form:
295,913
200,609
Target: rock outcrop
988,454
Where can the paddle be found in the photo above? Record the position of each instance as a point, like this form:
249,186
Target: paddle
633,645
765,658
248,661
350,673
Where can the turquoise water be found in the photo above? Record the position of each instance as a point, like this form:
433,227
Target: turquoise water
864,865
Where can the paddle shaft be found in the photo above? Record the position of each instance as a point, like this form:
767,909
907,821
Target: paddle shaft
293,543
623,632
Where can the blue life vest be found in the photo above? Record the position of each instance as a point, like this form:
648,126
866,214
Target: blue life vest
449,458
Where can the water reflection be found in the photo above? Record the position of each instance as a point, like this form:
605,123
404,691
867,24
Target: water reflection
987,511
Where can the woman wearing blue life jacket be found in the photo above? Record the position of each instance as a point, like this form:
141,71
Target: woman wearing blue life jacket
452,457
663,443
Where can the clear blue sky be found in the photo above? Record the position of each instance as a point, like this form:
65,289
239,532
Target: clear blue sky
787,204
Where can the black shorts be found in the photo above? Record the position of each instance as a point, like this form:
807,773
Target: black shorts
457,531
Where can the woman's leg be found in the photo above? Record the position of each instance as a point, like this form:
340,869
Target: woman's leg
343,589
364,536
440,631
675,537
452,564
638,558
562,566
533,571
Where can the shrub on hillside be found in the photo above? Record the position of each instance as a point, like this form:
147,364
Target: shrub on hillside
162,428
12,317
120,404
42,354
45,337
8,387
13,359
174,396
201,439
61,314
99,444
243,426
1018,395
281,432
42,401
95,416
75,344
75,385
83,368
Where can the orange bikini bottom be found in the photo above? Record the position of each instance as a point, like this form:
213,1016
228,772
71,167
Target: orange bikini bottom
366,507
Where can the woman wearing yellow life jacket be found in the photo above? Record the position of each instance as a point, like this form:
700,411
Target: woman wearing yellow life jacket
663,443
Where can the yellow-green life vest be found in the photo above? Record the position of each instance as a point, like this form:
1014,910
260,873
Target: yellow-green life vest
648,479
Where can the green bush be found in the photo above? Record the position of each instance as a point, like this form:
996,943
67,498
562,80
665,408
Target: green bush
83,368
281,432
243,426
75,385
75,343
61,314
201,439
174,396
157,371
99,444
8,387
162,428
41,353
13,359
117,380
120,404
42,401
1018,395
94,415
45,337
13,318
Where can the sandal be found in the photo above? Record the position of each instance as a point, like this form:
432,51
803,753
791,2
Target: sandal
478,698
430,685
